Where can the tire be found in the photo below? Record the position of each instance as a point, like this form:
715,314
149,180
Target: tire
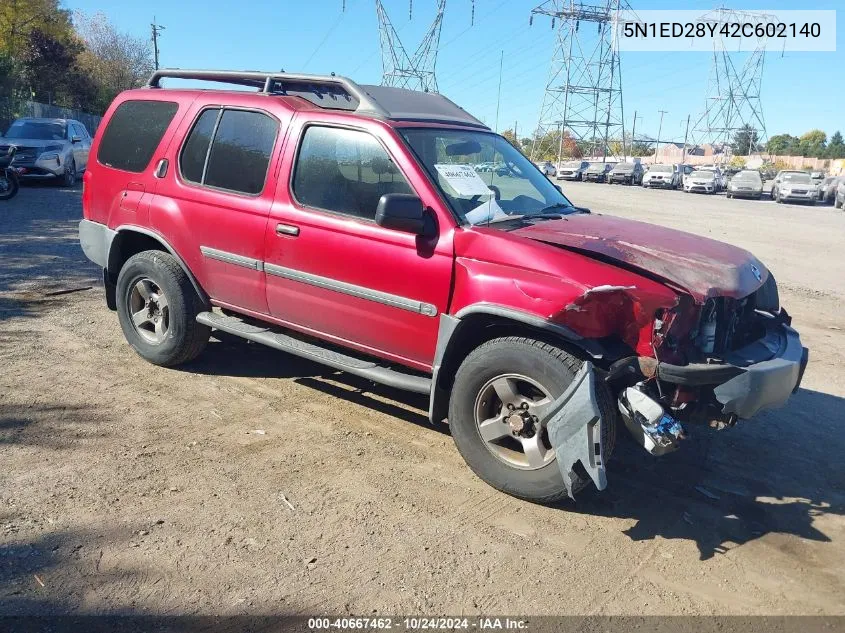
69,177
176,337
542,363
9,188
837,204
728,196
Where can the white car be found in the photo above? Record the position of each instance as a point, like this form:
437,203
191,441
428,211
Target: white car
664,176
797,187
701,181
720,177
547,168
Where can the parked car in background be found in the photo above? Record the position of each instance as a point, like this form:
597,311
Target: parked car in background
55,149
701,181
796,187
817,177
827,189
597,172
719,177
572,170
839,197
547,168
746,184
626,173
664,176
779,178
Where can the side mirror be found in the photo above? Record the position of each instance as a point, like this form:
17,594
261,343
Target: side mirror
75,139
401,212
559,188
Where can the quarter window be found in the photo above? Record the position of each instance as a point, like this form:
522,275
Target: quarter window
229,149
344,171
133,134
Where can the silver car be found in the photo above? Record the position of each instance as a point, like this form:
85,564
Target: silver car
55,149
796,187
547,168
839,199
572,170
745,184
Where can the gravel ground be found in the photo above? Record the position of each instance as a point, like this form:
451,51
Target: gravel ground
254,482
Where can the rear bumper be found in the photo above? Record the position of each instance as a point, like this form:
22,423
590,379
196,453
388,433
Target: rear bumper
96,239
760,376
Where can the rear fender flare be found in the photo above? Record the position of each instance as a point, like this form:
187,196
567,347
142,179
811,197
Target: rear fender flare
115,255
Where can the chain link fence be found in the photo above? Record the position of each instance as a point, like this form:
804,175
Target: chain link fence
11,109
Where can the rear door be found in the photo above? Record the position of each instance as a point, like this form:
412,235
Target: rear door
214,197
331,270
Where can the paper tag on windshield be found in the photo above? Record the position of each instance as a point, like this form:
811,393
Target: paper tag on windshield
464,180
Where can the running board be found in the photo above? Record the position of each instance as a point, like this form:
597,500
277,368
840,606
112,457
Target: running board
337,360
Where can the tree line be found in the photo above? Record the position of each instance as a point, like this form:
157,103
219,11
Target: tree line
812,144
51,55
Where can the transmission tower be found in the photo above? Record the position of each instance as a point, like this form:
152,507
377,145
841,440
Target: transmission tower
733,91
583,97
401,70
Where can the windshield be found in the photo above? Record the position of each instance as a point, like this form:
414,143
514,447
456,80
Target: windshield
37,130
573,164
512,188
596,167
661,168
748,176
624,167
703,174
800,178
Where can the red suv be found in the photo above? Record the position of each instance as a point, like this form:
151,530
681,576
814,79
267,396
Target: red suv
357,226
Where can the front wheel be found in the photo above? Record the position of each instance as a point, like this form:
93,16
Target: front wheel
69,177
8,186
157,307
497,388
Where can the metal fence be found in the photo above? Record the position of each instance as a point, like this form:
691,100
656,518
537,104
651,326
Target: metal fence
11,109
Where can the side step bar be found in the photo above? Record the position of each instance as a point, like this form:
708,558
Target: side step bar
338,360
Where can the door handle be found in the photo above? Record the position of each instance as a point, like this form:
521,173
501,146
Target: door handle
287,229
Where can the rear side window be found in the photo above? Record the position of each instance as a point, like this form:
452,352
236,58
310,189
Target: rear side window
344,171
133,134
229,149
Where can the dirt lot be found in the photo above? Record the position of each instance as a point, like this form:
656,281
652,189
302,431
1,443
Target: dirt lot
133,489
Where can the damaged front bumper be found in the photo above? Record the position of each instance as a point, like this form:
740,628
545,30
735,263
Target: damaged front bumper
761,375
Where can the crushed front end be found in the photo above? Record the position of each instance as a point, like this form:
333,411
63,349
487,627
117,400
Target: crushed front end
713,364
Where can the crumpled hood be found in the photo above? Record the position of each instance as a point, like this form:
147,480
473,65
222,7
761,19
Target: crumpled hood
702,267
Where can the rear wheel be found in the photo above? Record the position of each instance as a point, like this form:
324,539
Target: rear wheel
157,307
496,390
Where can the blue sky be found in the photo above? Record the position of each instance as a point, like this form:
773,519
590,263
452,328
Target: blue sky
800,90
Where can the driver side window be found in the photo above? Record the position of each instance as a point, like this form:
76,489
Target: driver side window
344,171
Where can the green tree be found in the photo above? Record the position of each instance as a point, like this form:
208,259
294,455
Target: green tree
745,141
508,134
836,147
812,144
782,144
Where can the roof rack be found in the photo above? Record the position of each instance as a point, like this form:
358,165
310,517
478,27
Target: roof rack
336,92
273,83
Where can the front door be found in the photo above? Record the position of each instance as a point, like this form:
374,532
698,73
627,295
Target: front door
331,270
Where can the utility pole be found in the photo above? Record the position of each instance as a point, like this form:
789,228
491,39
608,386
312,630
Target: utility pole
659,130
686,134
156,30
634,134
